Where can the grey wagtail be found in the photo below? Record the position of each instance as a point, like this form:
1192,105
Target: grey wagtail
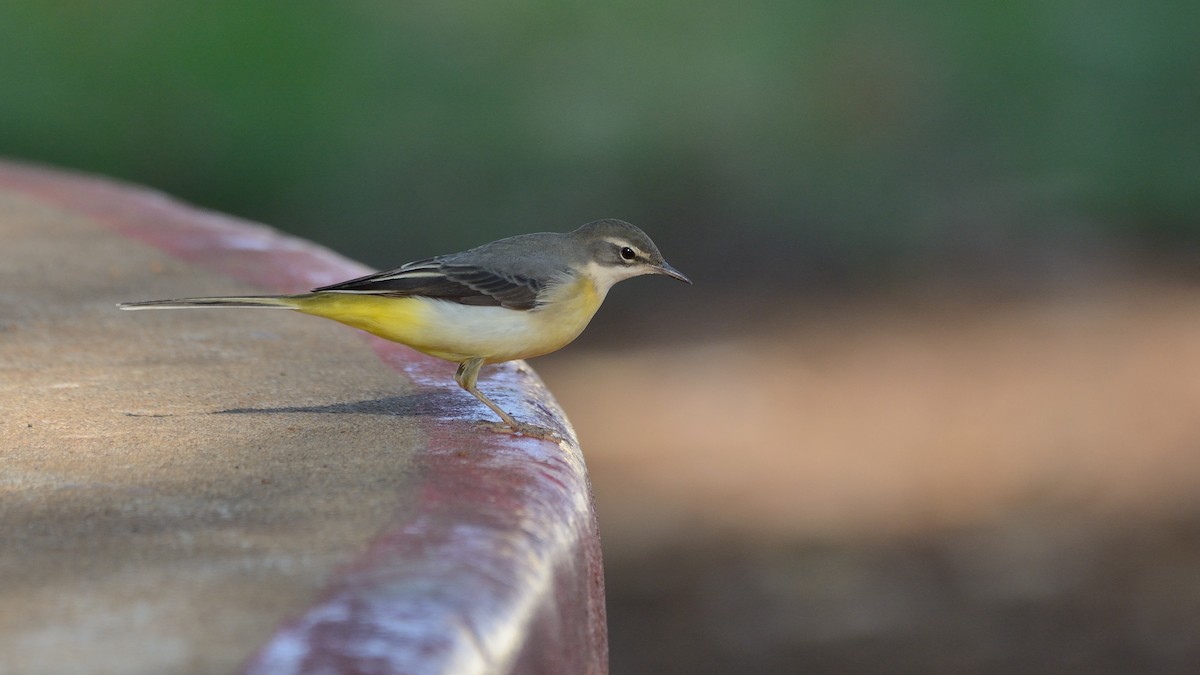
514,298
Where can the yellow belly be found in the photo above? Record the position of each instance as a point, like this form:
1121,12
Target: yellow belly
457,332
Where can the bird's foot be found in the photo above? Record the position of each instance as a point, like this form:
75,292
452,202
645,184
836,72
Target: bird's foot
521,429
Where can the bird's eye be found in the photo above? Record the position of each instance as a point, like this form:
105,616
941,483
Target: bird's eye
627,253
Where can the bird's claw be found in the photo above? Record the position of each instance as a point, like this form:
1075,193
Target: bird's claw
522,429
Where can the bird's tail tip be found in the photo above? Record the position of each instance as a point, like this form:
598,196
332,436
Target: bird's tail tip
273,301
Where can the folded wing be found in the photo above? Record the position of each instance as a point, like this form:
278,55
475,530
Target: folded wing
443,279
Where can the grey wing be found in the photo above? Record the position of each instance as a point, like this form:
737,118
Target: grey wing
444,279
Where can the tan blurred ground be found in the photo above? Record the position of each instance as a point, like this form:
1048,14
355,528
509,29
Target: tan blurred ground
900,417
1018,459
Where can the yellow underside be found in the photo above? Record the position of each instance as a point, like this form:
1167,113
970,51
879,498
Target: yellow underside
456,332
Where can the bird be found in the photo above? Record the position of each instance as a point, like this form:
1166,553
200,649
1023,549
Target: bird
514,298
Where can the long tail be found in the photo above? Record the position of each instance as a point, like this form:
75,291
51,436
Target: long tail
269,301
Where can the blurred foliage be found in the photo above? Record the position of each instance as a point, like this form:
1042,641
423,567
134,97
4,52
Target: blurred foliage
803,140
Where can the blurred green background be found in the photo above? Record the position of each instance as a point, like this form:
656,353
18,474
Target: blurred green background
790,157
806,143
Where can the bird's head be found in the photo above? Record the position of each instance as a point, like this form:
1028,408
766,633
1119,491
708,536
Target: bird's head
615,251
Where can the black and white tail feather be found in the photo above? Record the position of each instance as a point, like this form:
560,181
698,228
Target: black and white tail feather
442,278
269,301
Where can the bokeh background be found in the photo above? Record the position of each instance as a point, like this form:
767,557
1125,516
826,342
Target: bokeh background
933,403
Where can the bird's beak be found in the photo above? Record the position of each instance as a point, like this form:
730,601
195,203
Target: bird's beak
672,272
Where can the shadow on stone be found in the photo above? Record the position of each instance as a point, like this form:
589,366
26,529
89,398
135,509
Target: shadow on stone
412,405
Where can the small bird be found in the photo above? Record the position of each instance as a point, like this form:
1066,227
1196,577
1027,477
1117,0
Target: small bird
514,298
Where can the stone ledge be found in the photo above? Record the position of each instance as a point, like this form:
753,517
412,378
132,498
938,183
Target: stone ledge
191,491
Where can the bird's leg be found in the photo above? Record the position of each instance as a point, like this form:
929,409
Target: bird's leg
467,374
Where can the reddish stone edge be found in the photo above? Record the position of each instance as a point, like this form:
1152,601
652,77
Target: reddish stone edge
498,569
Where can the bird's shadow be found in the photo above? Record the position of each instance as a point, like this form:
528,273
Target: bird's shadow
427,404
